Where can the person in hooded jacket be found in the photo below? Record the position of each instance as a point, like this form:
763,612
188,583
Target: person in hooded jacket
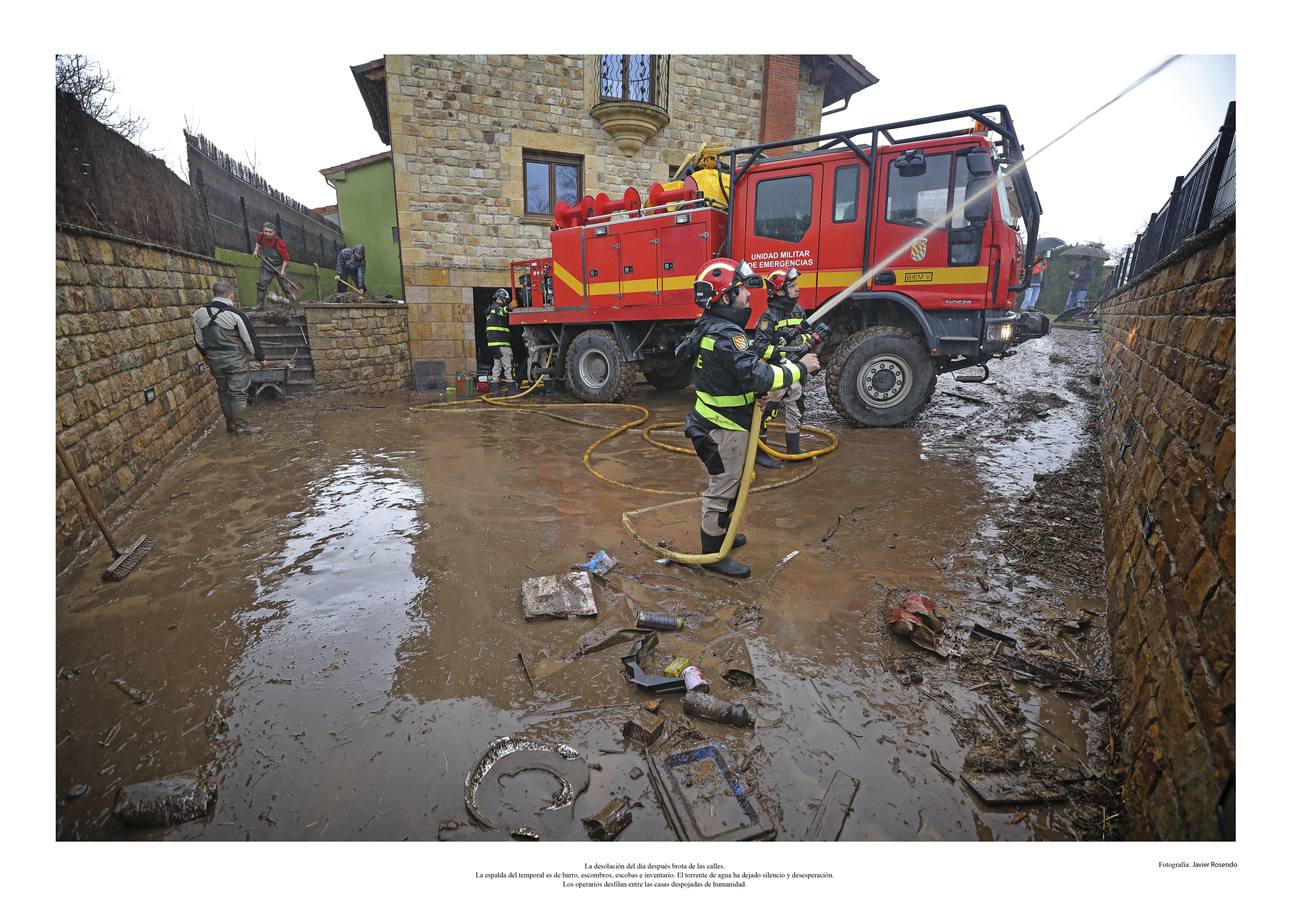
777,331
350,266
728,377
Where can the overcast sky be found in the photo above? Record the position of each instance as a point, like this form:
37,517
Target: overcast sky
1098,184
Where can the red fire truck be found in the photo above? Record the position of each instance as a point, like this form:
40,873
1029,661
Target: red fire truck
615,296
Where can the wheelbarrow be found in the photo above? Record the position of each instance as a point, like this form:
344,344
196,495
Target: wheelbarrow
272,379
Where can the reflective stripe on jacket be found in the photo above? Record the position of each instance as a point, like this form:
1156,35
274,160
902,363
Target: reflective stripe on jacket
729,376
778,328
497,331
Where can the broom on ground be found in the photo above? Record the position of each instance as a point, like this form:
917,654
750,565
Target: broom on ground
123,563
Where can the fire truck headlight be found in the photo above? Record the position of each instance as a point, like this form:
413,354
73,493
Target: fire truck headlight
1002,333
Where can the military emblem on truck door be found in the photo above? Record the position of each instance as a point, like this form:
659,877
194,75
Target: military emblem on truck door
918,249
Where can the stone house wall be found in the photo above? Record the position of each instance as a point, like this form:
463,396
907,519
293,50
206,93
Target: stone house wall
459,128
122,326
360,347
1168,343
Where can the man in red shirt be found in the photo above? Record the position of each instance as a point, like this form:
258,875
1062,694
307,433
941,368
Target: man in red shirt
270,247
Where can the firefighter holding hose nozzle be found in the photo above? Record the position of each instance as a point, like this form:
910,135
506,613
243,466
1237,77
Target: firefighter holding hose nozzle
779,331
729,376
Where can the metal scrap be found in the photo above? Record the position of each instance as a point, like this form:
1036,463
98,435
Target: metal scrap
568,768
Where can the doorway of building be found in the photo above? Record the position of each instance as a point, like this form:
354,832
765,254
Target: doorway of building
481,297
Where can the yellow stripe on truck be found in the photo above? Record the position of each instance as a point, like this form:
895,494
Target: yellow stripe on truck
941,275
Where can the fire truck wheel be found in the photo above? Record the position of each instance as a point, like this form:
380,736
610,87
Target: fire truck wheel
672,376
880,377
595,368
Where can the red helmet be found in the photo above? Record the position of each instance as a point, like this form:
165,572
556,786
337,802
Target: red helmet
779,280
719,276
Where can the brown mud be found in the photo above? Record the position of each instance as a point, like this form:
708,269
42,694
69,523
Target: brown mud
330,625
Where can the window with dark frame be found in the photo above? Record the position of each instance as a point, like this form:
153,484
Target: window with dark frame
549,179
964,241
630,77
919,200
783,208
846,194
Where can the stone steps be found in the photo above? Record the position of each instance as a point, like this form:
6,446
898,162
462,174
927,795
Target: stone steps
285,338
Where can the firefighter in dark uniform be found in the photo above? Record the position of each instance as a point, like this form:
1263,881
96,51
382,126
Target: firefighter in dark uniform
728,378
498,335
778,330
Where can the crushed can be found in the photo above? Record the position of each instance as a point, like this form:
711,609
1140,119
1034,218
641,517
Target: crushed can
659,621
694,679
676,665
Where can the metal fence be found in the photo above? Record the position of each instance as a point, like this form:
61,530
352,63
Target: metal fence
238,201
1200,199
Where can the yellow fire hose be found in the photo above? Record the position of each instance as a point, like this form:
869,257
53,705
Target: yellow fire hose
747,470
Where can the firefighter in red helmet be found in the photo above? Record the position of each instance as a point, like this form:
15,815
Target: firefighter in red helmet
728,378
777,331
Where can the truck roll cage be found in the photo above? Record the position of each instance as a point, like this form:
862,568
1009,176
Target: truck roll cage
1012,151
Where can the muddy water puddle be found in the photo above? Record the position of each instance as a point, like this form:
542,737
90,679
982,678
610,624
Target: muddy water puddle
330,624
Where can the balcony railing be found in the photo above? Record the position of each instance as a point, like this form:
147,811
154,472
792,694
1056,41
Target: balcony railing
634,79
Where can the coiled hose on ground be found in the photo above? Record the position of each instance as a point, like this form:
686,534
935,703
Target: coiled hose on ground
642,414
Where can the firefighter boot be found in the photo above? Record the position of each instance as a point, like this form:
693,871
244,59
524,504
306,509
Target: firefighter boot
760,457
792,442
712,543
725,519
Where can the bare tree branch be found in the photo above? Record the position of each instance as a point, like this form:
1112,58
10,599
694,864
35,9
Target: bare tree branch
93,88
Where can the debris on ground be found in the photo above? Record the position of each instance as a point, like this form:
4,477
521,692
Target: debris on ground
166,801
916,619
643,729
558,596
601,563
704,798
655,684
138,696
512,755
659,621
704,705
607,824
834,808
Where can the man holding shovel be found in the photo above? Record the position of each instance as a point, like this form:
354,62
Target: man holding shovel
350,269
273,253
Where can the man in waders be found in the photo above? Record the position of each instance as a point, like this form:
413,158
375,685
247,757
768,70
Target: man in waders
728,378
777,331
498,336
270,247
227,340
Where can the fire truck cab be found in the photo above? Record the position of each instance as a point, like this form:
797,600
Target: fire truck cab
615,296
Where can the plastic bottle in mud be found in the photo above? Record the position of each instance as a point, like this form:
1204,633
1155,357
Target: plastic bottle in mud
659,621
707,706
694,680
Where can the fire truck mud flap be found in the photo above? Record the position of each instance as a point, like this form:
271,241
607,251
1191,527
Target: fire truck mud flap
880,377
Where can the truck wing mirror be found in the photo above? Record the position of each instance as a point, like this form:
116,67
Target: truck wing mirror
979,161
911,164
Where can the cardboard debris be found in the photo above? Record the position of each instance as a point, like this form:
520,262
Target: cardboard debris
558,596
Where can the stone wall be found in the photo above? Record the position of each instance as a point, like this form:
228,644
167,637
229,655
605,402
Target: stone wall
361,347
459,127
123,325
1169,447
